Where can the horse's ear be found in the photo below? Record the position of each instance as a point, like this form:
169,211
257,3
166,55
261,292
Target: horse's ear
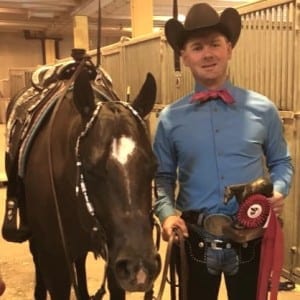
83,94
145,100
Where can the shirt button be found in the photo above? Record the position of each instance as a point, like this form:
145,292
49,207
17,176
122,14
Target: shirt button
215,109
222,177
217,130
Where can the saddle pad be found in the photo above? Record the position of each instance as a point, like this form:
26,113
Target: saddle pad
27,114
25,145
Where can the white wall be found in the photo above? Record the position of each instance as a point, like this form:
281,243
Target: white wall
17,52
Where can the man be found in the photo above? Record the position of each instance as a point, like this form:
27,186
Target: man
219,135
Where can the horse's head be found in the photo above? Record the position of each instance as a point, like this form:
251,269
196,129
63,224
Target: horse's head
118,166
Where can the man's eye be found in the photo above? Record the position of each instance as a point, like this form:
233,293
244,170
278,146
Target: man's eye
197,48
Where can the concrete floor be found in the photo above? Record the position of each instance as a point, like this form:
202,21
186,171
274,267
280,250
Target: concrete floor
17,270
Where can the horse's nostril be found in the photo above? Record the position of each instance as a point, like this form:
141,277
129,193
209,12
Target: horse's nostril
122,268
126,268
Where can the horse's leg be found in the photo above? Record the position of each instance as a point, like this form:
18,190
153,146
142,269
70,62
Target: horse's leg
56,275
81,277
115,292
40,291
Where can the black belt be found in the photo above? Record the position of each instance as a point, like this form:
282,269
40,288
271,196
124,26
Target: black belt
198,218
193,217
220,244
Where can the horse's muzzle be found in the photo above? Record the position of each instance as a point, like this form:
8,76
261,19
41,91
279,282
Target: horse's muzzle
137,274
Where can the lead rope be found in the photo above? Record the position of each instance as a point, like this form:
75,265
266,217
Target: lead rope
176,237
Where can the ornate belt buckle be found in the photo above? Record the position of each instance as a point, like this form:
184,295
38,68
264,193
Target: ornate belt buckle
214,223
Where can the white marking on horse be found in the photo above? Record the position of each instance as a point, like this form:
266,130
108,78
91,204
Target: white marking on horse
141,276
122,149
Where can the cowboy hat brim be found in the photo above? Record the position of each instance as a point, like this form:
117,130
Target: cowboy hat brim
229,24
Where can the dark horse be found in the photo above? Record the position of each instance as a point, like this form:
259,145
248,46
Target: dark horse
88,187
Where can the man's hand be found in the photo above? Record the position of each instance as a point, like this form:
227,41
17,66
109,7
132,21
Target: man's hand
170,223
277,203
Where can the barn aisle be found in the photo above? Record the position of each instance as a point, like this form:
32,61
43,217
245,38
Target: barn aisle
17,270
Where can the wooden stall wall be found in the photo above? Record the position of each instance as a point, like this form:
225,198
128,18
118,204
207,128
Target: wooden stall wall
19,78
265,53
292,207
149,53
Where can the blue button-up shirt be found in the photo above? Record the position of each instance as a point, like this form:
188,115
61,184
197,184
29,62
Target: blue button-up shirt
205,147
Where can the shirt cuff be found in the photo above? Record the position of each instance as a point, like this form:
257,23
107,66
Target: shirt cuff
164,213
281,187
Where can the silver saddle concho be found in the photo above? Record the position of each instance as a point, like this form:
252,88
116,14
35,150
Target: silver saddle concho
253,210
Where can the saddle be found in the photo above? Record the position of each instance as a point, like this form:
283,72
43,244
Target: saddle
24,121
29,110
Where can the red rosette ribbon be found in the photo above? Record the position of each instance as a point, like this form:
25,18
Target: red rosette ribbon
254,211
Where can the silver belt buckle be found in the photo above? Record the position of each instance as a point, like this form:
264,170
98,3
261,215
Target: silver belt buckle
213,244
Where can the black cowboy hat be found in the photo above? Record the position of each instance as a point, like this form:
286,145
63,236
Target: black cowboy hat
201,17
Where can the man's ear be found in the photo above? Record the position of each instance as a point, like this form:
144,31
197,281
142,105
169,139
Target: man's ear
229,49
183,58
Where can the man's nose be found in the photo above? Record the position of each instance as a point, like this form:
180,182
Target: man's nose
207,51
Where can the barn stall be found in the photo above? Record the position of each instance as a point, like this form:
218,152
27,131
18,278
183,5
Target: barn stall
266,59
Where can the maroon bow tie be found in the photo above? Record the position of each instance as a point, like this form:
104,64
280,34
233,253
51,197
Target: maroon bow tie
208,95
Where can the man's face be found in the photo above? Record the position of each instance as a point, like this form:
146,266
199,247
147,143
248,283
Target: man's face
207,56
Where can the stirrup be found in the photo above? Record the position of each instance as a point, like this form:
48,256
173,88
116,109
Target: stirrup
10,230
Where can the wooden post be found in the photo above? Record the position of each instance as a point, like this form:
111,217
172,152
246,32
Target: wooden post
297,60
81,32
50,56
141,17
